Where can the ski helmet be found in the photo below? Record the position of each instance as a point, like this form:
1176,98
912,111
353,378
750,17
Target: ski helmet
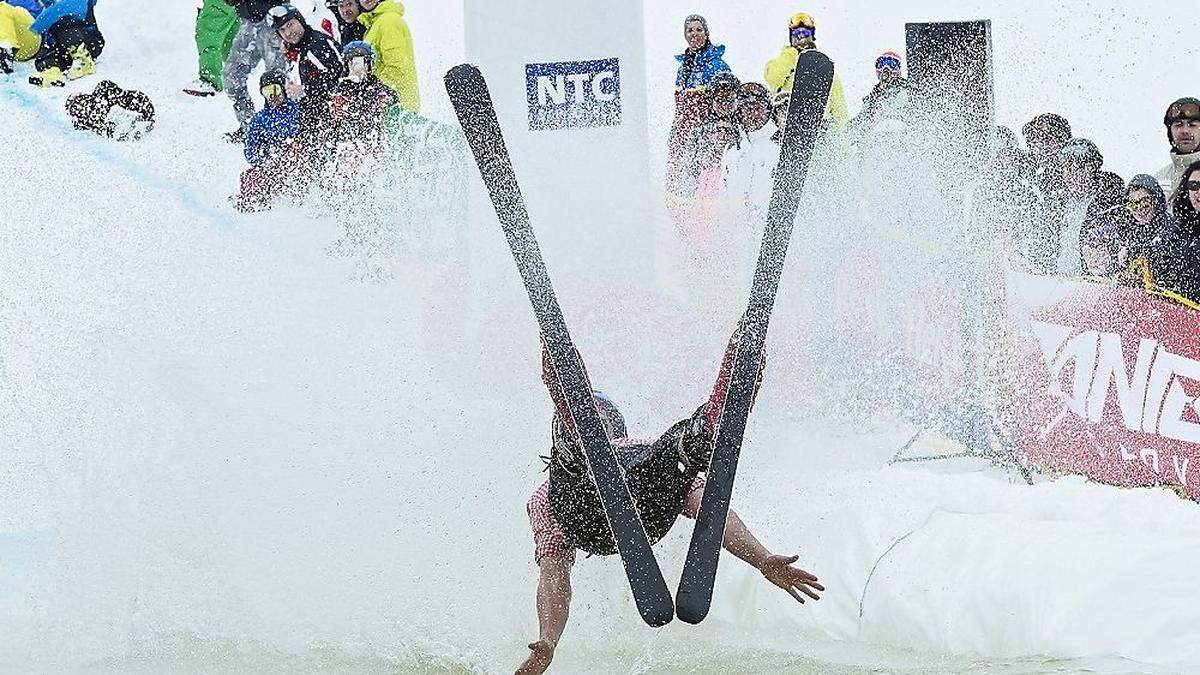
273,78
724,81
281,14
801,21
1186,108
610,415
888,60
358,48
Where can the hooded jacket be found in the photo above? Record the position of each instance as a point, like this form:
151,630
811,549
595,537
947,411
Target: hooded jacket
270,129
1161,248
395,65
778,75
696,70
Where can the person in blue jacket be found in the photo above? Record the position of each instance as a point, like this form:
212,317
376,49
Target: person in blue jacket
271,145
71,41
698,65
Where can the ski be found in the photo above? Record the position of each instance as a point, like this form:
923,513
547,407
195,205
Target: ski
473,104
806,110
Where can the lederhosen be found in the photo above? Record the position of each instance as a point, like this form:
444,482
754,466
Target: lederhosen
659,476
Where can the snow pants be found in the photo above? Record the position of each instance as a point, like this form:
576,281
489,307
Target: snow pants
255,41
216,26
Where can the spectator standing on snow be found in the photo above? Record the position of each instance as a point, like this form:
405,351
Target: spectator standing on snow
255,42
779,72
270,144
698,64
888,98
1090,195
1153,247
112,112
319,64
388,34
216,26
347,29
1183,133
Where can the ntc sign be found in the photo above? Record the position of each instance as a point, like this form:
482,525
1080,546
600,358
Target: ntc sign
573,94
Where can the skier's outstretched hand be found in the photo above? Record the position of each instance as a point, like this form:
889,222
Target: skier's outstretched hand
779,570
542,653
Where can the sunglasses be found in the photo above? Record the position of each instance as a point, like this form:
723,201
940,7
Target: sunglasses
272,90
803,33
1138,203
1193,185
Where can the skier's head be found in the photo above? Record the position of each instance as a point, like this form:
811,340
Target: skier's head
887,67
1183,125
1145,200
359,58
348,10
802,31
614,425
723,93
273,86
695,31
289,23
1080,160
368,5
753,106
1045,135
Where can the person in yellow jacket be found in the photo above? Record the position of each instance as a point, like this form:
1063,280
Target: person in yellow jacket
387,33
780,70
17,40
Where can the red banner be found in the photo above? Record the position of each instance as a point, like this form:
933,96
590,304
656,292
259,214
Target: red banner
1106,382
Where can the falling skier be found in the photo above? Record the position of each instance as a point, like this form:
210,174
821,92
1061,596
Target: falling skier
663,478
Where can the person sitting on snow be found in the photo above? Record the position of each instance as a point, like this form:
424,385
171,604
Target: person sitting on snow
270,142
112,112
62,39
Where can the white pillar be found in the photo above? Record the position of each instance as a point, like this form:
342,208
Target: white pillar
569,83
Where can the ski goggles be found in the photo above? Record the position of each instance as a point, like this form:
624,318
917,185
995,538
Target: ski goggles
272,90
803,33
1186,110
887,63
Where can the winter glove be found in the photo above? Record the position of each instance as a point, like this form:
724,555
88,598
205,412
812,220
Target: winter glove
6,61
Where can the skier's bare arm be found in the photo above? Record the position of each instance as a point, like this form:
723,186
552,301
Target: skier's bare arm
778,569
553,607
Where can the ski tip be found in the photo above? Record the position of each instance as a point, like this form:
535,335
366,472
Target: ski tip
691,608
463,73
657,617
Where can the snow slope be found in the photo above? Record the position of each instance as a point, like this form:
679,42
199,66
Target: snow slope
222,452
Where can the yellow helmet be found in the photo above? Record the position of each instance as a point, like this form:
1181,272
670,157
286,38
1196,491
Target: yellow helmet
801,20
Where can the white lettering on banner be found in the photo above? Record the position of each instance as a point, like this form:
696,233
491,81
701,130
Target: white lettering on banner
598,92
1151,399
1181,469
552,89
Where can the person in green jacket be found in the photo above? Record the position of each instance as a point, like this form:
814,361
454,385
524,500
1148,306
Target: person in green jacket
216,25
802,31
387,33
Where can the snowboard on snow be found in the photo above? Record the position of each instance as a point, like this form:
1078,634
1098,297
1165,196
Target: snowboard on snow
805,123
473,105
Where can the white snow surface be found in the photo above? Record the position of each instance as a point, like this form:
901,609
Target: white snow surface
220,452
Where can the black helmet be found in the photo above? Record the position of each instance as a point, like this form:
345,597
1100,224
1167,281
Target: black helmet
723,81
272,77
282,14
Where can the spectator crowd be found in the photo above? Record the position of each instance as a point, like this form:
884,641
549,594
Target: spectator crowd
335,74
1060,211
